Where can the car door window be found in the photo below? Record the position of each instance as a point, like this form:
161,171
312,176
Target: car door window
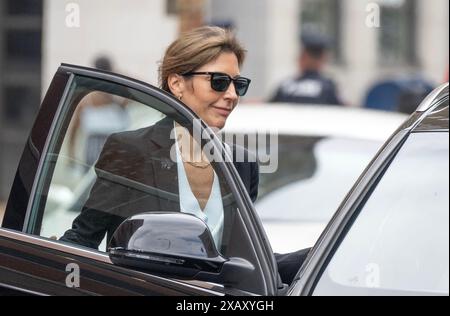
306,166
98,120
110,158
399,243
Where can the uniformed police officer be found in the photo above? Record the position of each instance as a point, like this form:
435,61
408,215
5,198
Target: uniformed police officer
310,87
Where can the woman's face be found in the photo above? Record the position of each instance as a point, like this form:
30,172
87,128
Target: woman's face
213,107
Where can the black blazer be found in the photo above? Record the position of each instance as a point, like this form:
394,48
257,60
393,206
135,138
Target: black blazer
134,175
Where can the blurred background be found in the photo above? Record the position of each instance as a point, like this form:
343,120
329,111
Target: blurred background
377,48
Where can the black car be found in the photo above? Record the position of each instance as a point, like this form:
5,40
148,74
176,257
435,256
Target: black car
389,236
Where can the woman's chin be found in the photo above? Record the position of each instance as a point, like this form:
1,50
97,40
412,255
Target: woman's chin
217,123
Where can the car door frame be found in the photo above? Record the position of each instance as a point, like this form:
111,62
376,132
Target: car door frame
36,266
31,163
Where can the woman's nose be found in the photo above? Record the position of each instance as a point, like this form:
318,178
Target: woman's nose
231,92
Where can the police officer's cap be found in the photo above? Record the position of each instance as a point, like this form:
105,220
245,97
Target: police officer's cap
315,41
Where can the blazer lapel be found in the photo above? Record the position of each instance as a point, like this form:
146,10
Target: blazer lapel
164,169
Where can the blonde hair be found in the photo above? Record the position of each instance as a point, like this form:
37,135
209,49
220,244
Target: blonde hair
196,48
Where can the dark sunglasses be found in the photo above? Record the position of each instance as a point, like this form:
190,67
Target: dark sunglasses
220,82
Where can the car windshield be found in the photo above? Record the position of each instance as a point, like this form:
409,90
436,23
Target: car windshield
314,175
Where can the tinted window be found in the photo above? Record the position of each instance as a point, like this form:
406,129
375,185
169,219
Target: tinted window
399,243
299,198
301,189
111,160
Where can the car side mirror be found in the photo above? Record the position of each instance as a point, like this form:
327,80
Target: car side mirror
176,245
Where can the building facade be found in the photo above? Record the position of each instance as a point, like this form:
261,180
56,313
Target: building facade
373,40
20,80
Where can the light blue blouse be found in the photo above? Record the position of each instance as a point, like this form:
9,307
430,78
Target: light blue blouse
213,213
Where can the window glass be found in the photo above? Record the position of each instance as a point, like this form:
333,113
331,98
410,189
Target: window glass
399,243
397,35
323,16
111,158
306,165
299,199
21,103
23,45
24,7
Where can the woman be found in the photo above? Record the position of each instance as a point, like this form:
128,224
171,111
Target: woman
202,69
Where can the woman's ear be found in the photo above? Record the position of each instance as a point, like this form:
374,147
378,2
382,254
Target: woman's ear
176,84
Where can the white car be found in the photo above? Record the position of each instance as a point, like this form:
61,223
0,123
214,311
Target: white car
322,150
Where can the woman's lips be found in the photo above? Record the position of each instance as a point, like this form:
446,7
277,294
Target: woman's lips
222,111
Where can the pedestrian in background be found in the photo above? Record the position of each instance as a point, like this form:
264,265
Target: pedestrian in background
97,116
